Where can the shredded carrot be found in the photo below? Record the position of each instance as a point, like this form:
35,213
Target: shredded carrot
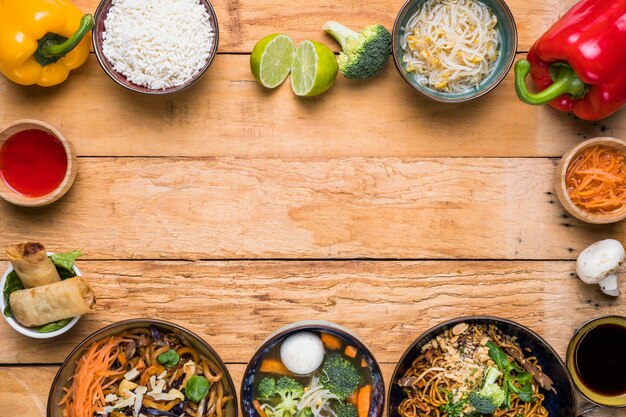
596,180
86,396
331,342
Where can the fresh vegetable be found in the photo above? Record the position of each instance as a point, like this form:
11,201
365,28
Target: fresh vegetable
363,400
331,342
42,40
350,352
65,260
596,180
271,59
289,392
364,54
266,388
598,264
490,396
196,388
54,326
516,380
345,410
12,284
273,366
305,412
578,64
314,69
339,376
453,408
169,358
258,408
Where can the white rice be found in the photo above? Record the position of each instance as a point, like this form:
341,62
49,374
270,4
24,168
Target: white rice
157,44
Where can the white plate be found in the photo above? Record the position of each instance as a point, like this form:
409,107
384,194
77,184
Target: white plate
27,331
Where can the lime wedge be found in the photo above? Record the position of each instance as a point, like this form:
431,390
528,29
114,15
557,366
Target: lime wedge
271,59
314,69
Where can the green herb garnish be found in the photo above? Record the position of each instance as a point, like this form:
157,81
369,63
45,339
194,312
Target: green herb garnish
516,380
197,388
54,326
454,408
169,358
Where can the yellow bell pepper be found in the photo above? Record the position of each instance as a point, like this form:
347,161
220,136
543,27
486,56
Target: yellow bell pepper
42,40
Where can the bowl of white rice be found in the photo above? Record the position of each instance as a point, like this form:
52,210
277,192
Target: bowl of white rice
156,46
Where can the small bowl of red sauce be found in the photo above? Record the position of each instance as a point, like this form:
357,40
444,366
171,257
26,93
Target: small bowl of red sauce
591,180
37,164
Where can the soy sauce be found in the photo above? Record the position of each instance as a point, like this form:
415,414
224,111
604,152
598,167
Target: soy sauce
601,359
33,163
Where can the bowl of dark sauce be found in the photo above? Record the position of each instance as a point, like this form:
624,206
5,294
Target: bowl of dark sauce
596,359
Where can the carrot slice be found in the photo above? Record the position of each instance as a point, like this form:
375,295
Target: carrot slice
363,406
273,366
257,407
331,342
350,352
364,363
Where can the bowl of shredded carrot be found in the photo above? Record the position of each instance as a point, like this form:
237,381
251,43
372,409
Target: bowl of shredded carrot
591,181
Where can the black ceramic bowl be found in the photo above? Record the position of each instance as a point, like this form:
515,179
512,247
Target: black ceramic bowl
378,392
69,366
100,15
561,404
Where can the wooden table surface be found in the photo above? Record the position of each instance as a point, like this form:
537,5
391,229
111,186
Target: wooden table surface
233,211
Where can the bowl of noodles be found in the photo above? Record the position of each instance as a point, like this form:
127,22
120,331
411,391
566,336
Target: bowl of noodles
453,51
142,367
474,366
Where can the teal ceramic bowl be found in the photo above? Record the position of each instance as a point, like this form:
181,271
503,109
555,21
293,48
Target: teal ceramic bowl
508,47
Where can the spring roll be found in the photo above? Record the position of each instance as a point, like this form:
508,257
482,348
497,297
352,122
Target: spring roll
42,305
32,265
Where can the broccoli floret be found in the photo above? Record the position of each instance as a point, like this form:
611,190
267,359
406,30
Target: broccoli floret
339,376
364,54
266,388
345,410
490,396
290,392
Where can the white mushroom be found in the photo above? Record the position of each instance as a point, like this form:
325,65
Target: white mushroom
598,264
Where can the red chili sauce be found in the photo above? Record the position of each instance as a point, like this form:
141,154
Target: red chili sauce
33,163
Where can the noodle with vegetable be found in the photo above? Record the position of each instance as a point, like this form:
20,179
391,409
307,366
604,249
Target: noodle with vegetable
473,370
142,372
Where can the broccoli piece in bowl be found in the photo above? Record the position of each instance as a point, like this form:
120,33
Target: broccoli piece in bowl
490,396
339,376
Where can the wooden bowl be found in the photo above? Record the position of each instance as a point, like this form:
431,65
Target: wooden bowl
561,188
21,200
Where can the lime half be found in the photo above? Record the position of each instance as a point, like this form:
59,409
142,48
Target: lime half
314,69
271,59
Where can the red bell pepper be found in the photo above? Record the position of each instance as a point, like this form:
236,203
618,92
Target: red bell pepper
579,64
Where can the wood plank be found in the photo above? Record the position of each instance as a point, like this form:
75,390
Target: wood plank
236,305
158,208
243,22
26,390
229,114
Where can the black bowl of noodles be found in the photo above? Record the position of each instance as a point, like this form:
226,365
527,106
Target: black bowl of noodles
439,371
143,366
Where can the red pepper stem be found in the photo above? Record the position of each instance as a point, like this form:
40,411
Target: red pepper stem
565,81
51,48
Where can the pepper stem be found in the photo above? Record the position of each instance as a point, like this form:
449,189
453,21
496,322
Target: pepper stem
565,81
53,47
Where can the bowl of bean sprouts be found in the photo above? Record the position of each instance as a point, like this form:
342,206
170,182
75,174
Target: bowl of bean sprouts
454,51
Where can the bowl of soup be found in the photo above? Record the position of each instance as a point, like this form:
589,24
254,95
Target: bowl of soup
313,369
